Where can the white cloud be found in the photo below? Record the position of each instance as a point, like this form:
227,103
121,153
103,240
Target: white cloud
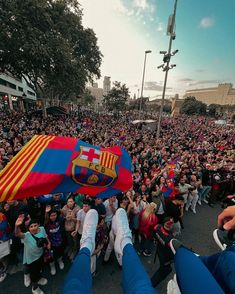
152,8
160,27
123,43
131,12
119,6
119,39
143,4
207,22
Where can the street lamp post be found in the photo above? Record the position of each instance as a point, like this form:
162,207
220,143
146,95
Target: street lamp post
166,59
142,86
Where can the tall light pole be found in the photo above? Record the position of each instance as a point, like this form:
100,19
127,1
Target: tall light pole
142,86
166,59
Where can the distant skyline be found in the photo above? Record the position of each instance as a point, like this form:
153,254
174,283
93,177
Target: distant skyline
205,33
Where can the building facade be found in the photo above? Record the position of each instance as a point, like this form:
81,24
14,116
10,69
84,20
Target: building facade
16,93
106,85
97,93
154,105
223,94
176,104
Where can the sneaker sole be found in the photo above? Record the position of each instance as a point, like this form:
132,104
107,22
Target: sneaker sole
121,220
43,284
147,255
172,247
217,240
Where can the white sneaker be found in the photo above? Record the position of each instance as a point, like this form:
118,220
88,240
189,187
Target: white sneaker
123,235
186,208
174,245
194,211
172,286
42,282
89,230
27,280
61,264
2,277
199,202
53,270
37,291
204,200
222,239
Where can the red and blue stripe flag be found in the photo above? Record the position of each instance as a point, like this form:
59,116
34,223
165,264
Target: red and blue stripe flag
55,164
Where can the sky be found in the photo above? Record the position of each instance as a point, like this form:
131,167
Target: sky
205,38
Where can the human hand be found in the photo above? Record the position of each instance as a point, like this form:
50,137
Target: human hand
6,207
226,219
19,220
48,208
74,233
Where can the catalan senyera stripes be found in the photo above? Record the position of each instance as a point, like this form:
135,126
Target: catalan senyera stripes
16,188
39,147
15,161
107,160
14,173
102,158
111,162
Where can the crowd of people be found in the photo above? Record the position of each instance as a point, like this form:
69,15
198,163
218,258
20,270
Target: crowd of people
191,164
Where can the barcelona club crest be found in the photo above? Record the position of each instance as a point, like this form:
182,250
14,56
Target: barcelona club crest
93,167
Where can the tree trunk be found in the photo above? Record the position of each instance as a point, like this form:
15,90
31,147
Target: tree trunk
40,90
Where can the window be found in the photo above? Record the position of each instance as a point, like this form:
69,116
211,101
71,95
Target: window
12,86
31,93
29,84
7,84
3,82
20,89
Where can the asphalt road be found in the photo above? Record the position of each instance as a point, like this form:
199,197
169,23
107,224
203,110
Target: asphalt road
197,235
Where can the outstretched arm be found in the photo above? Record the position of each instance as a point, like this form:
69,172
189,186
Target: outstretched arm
18,223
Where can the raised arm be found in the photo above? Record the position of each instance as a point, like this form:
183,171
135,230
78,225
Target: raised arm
18,223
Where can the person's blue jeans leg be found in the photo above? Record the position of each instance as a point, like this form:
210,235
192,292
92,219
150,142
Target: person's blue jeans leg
135,280
79,280
193,277
222,267
204,193
200,192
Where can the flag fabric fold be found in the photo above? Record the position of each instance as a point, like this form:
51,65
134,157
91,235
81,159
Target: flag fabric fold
55,164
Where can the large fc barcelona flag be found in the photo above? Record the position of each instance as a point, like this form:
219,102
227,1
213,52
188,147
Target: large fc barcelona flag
53,164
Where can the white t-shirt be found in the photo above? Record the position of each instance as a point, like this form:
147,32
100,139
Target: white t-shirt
81,217
139,208
109,212
160,209
184,189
